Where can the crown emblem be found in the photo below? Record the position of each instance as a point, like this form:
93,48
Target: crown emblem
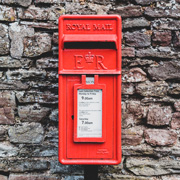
89,57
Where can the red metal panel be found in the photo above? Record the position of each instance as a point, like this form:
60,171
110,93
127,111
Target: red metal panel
75,65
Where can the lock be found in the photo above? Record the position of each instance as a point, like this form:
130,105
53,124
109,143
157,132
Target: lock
90,89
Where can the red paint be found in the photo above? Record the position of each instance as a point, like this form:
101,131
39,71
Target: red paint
75,65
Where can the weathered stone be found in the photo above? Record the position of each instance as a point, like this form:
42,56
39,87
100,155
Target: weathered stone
160,137
7,13
134,75
56,167
73,177
4,40
159,116
177,105
150,52
24,3
141,62
3,132
128,88
132,136
54,115
137,39
178,1
166,23
40,25
6,115
161,38
8,62
150,100
31,177
17,33
165,70
3,177
151,167
47,63
22,74
171,177
128,52
157,89
37,44
26,133
12,85
37,13
52,76
176,39
8,150
134,23
48,1
37,97
55,38
174,89
43,150
175,123
7,99
26,165
161,12
145,2
127,11
32,113
52,135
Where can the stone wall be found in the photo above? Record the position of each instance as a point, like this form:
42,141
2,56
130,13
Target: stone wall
29,89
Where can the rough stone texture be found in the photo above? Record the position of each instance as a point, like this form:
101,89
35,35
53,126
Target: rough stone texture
135,23
31,177
24,3
127,11
17,33
54,115
174,89
7,13
160,137
128,88
37,44
37,97
169,70
166,24
176,39
157,89
8,62
26,133
159,116
134,75
4,41
32,113
132,137
161,38
3,177
128,52
152,167
150,52
160,12
177,105
38,13
25,74
2,133
7,150
147,2
47,63
137,39
175,123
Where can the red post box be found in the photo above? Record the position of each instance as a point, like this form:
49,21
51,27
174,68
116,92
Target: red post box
90,89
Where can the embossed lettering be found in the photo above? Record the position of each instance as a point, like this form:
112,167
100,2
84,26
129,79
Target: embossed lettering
78,61
100,59
102,27
79,27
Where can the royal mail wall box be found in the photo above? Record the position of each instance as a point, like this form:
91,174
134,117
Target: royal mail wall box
90,89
